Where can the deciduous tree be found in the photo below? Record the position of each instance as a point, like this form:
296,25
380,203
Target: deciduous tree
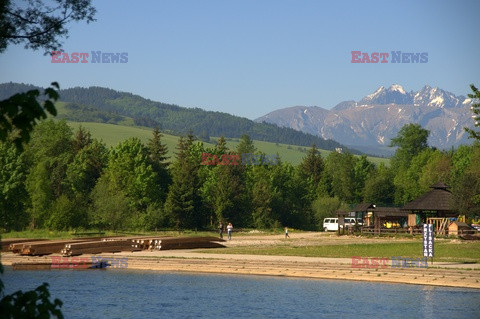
13,195
379,188
411,140
340,168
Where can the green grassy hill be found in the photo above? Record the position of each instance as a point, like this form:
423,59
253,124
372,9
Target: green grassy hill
103,105
112,134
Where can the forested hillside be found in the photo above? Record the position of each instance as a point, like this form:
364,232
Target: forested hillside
96,104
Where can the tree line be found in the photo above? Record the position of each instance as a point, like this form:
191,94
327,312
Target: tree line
66,180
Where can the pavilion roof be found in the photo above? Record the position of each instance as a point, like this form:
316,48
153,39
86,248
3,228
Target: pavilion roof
363,207
437,199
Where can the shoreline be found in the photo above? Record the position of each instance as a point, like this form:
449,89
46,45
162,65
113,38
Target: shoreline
442,274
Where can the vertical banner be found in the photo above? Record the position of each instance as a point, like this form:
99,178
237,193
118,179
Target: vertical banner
428,240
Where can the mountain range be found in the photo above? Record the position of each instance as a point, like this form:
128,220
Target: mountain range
369,124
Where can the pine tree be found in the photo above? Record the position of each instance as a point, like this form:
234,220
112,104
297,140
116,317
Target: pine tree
82,139
183,202
312,166
158,156
190,138
221,146
246,145
158,150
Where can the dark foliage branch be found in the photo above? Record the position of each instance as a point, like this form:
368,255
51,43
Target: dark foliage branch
39,25
31,304
19,113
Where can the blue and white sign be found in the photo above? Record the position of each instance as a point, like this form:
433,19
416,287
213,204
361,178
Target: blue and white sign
427,240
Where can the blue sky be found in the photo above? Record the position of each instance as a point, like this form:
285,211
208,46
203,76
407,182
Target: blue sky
249,58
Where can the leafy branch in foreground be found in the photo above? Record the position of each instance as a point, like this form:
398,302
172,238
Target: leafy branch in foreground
38,24
476,111
18,114
31,304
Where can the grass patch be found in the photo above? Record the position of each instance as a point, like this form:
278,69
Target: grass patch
113,134
453,252
38,234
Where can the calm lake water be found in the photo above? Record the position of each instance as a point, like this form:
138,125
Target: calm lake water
149,294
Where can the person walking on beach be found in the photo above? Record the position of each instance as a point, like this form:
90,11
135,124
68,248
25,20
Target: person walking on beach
229,230
220,229
286,232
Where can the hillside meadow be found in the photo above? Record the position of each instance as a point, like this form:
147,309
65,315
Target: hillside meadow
112,134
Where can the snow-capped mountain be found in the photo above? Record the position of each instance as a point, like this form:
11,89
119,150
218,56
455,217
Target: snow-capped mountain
378,117
394,94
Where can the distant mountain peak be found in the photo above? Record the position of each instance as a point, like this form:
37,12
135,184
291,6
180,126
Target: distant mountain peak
395,94
437,98
397,88
375,94
376,118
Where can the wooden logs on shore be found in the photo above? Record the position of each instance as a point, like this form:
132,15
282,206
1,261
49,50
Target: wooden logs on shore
97,247
146,243
44,247
168,243
75,247
5,243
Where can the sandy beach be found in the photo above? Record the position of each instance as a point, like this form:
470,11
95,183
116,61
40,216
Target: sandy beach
439,274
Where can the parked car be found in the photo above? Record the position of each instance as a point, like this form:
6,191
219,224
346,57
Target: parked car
350,221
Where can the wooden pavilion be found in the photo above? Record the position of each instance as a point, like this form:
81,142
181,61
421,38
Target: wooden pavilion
378,219
434,207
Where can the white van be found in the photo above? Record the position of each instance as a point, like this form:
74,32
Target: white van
331,224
